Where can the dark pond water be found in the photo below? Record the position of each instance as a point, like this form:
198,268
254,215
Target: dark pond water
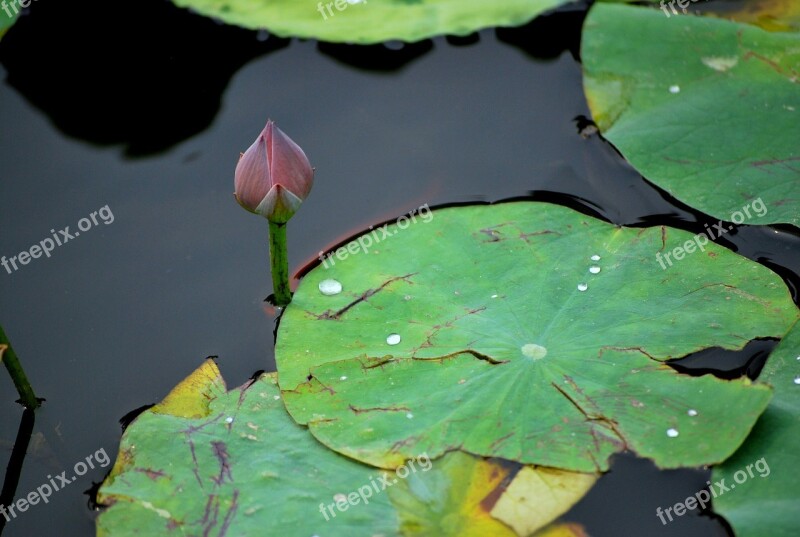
143,108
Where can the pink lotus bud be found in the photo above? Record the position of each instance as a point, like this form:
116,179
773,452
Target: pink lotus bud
273,176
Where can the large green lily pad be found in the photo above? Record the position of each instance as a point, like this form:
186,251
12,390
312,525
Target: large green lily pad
371,21
502,354
211,462
705,108
757,489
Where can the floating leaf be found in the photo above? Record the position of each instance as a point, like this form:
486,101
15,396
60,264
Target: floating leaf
7,21
210,462
707,109
762,474
533,498
373,21
471,332
772,15
554,491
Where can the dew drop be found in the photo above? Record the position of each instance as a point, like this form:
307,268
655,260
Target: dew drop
582,287
672,433
343,377
495,296
594,269
276,397
595,257
797,379
692,412
393,339
330,287
533,351
228,420
409,415
675,89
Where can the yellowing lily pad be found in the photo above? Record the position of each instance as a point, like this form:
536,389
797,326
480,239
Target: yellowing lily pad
554,491
207,461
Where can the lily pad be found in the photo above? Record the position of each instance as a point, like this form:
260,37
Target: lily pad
772,15
762,475
529,332
485,495
555,491
707,109
373,21
7,21
211,462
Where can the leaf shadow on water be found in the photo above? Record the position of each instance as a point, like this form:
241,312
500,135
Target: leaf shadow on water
136,50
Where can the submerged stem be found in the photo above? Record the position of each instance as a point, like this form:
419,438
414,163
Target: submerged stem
280,264
9,358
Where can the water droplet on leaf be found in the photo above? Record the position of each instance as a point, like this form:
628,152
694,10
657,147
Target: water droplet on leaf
534,351
393,339
582,287
672,433
594,269
330,287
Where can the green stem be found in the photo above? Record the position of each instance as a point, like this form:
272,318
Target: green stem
9,358
280,264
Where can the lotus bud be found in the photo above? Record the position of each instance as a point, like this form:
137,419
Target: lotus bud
273,176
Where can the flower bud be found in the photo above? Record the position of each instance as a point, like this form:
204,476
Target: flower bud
273,176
